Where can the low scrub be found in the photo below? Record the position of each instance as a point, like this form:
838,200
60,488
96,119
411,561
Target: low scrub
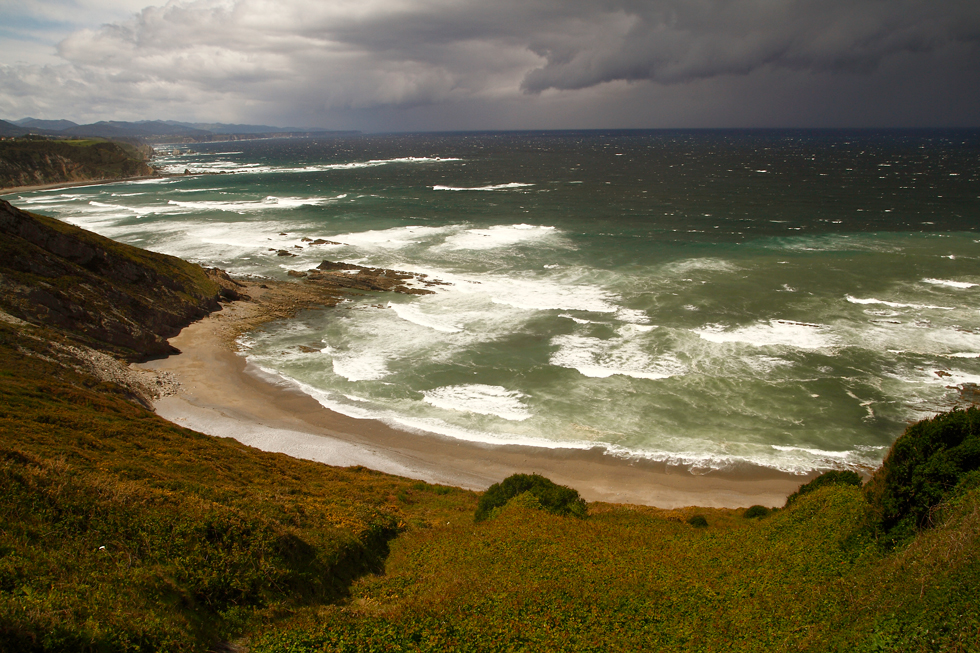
834,477
553,498
923,469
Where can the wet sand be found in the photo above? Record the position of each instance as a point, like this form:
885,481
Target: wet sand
222,395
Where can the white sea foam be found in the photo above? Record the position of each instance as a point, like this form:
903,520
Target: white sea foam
837,455
545,294
358,366
482,399
578,320
414,314
598,358
232,167
950,284
395,238
270,202
498,236
872,300
772,333
511,186
138,210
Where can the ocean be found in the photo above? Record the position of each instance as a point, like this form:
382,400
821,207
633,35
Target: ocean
711,299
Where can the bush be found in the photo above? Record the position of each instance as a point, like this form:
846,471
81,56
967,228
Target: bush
923,468
756,511
825,479
556,499
697,521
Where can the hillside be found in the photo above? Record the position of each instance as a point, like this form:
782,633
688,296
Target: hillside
124,532
34,161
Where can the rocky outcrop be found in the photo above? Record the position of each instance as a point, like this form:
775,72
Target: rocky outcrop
358,277
228,288
98,292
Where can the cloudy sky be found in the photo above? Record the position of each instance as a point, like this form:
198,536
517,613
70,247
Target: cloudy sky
396,65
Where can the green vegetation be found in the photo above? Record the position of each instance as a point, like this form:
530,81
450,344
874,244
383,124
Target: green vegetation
698,521
120,531
32,160
833,477
923,469
756,512
548,496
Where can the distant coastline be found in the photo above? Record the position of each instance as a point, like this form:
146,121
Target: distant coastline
72,184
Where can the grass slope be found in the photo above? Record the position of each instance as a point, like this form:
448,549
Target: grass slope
122,531
809,578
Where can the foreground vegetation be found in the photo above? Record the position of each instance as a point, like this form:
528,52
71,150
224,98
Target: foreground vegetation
120,531
829,572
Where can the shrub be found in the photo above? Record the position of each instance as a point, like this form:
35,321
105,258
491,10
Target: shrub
756,511
697,521
923,468
825,479
556,499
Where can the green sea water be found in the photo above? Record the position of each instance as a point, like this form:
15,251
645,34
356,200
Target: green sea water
710,299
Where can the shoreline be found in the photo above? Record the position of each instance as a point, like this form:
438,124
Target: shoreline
221,394
73,184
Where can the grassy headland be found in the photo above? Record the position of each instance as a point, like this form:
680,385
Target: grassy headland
33,161
120,531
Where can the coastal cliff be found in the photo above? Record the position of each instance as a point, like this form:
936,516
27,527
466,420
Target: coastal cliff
35,161
105,294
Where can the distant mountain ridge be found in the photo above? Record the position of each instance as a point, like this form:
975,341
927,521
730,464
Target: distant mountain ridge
152,130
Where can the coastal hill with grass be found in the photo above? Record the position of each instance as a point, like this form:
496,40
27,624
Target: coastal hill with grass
120,531
34,160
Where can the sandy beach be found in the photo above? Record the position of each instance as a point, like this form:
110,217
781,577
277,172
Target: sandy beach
222,395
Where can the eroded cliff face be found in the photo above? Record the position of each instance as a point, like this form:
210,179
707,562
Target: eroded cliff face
104,294
29,163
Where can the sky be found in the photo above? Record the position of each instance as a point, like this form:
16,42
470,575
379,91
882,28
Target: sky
424,65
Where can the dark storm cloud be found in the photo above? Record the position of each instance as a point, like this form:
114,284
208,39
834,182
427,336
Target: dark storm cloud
237,59
679,40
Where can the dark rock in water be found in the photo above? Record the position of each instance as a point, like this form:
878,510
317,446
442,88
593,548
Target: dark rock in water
321,241
296,273
284,252
101,293
348,275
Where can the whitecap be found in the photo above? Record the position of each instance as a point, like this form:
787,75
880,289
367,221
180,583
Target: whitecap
872,300
951,284
482,399
785,333
600,359
354,366
414,314
510,186
497,236
270,202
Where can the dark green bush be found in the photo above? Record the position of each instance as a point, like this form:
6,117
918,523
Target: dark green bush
827,478
697,521
556,499
923,468
756,511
